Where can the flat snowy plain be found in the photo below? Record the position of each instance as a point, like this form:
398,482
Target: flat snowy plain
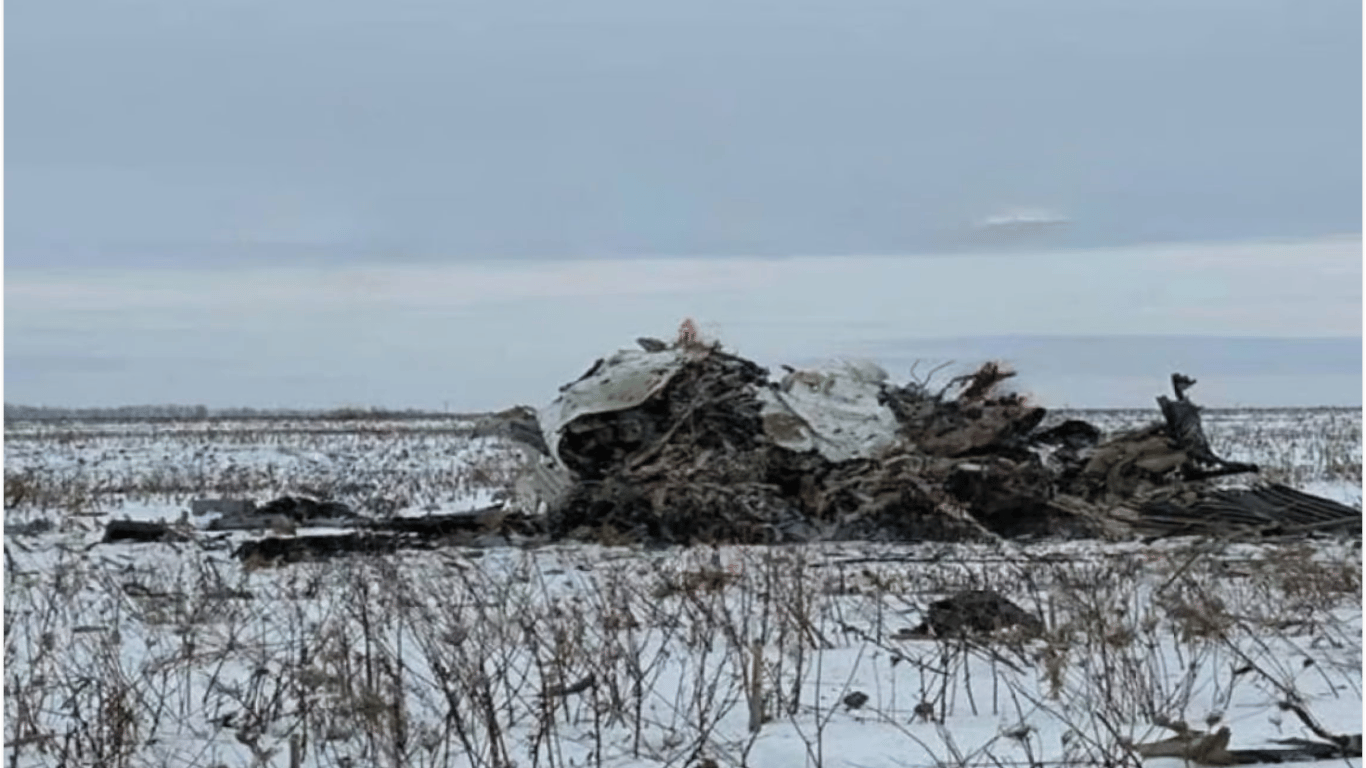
178,655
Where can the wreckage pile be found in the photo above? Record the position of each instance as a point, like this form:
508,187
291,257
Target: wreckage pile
687,443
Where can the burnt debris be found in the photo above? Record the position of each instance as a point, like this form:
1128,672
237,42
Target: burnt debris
691,444
686,443
976,612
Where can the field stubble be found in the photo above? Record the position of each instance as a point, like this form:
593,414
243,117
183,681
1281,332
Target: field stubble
583,655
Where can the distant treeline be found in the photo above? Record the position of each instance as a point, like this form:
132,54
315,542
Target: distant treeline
199,412
192,412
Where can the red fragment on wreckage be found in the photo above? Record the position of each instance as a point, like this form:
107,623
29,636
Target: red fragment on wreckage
687,333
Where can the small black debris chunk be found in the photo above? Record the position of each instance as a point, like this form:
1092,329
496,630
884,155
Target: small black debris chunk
856,700
651,345
976,611
138,531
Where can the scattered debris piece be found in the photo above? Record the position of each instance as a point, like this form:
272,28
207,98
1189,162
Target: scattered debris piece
1204,748
283,514
298,548
225,507
1267,511
1184,427
518,424
856,700
488,527
567,690
492,520
283,517
34,527
978,611
140,531
651,345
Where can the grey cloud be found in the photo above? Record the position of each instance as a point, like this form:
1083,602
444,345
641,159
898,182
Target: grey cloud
160,130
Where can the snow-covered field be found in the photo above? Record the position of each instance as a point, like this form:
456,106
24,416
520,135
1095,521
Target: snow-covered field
177,655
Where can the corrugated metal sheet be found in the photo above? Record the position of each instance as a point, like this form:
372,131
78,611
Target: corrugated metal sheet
1269,510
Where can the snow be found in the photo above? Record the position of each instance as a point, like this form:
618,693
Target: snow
979,695
211,662
1342,491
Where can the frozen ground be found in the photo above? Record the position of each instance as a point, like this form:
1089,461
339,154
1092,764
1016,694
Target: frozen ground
178,655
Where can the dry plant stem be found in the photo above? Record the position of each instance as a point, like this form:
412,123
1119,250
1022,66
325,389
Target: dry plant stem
459,650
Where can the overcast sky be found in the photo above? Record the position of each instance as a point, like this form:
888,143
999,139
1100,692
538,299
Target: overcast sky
321,202
1257,323
156,131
